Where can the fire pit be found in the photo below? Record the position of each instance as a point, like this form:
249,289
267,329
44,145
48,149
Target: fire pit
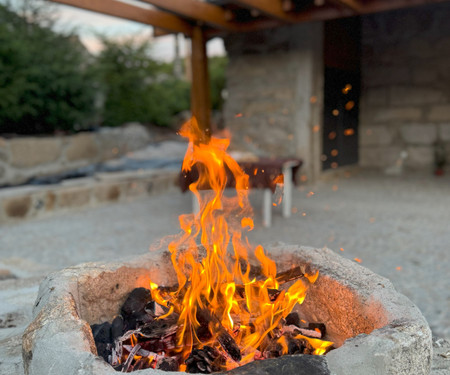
209,301
376,330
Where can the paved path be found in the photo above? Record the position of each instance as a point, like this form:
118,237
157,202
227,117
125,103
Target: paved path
398,227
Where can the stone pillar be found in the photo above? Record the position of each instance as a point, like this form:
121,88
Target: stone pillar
274,84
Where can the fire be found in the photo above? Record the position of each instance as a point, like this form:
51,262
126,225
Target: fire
218,292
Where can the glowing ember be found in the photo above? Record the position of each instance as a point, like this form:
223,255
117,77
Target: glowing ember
219,286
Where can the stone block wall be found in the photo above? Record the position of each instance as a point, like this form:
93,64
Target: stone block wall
405,101
271,77
23,158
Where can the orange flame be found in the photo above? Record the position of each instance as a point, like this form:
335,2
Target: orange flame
210,281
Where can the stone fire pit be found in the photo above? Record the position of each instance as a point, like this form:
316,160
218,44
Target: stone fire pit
376,329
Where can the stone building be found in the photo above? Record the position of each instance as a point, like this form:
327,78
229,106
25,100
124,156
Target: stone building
372,90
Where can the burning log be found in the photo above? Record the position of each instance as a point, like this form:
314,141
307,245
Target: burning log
226,341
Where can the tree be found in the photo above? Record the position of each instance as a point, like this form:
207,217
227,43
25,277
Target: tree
217,66
136,87
45,82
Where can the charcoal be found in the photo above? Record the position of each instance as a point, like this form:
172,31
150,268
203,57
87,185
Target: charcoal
293,319
117,327
167,364
133,309
273,350
103,350
154,309
322,328
141,364
103,339
102,332
160,328
295,347
204,361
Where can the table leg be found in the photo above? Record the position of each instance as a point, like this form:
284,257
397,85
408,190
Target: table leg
267,208
287,194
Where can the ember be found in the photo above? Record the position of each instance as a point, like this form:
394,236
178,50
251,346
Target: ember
224,312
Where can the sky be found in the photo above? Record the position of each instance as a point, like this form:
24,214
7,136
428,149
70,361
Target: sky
89,24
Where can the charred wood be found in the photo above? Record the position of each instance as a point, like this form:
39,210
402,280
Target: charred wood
226,341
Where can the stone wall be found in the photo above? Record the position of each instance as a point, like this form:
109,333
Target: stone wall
405,102
271,78
23,158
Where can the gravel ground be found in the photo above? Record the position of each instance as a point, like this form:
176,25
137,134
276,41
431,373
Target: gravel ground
398,226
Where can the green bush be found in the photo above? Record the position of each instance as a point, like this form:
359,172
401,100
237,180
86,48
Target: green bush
216,67
137,88
45,84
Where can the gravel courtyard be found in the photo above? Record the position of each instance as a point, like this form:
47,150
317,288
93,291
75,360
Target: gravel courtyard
399,227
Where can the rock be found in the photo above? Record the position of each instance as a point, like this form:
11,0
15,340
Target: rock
6,274
419,134
298,364
444,132
439,113
107,192
17,207
73,197
30,152
135,136
376,135
82,147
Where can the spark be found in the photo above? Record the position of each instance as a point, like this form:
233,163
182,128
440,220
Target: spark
349,132
358,260
349,105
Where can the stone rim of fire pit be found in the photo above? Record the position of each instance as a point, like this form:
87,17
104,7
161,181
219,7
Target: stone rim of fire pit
59,340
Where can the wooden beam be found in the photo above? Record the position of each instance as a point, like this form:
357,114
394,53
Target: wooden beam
197,10
272,8
116,8
376,6
275,9
354,5
200,95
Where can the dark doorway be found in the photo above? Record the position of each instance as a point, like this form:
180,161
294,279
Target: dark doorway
342,47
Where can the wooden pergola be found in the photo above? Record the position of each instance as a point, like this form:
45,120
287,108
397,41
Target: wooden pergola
202,20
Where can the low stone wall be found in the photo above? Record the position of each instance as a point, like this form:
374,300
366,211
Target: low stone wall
23,158
405,102
28,202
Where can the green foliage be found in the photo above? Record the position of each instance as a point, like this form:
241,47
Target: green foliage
138,88
49,82
216,67
45,84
